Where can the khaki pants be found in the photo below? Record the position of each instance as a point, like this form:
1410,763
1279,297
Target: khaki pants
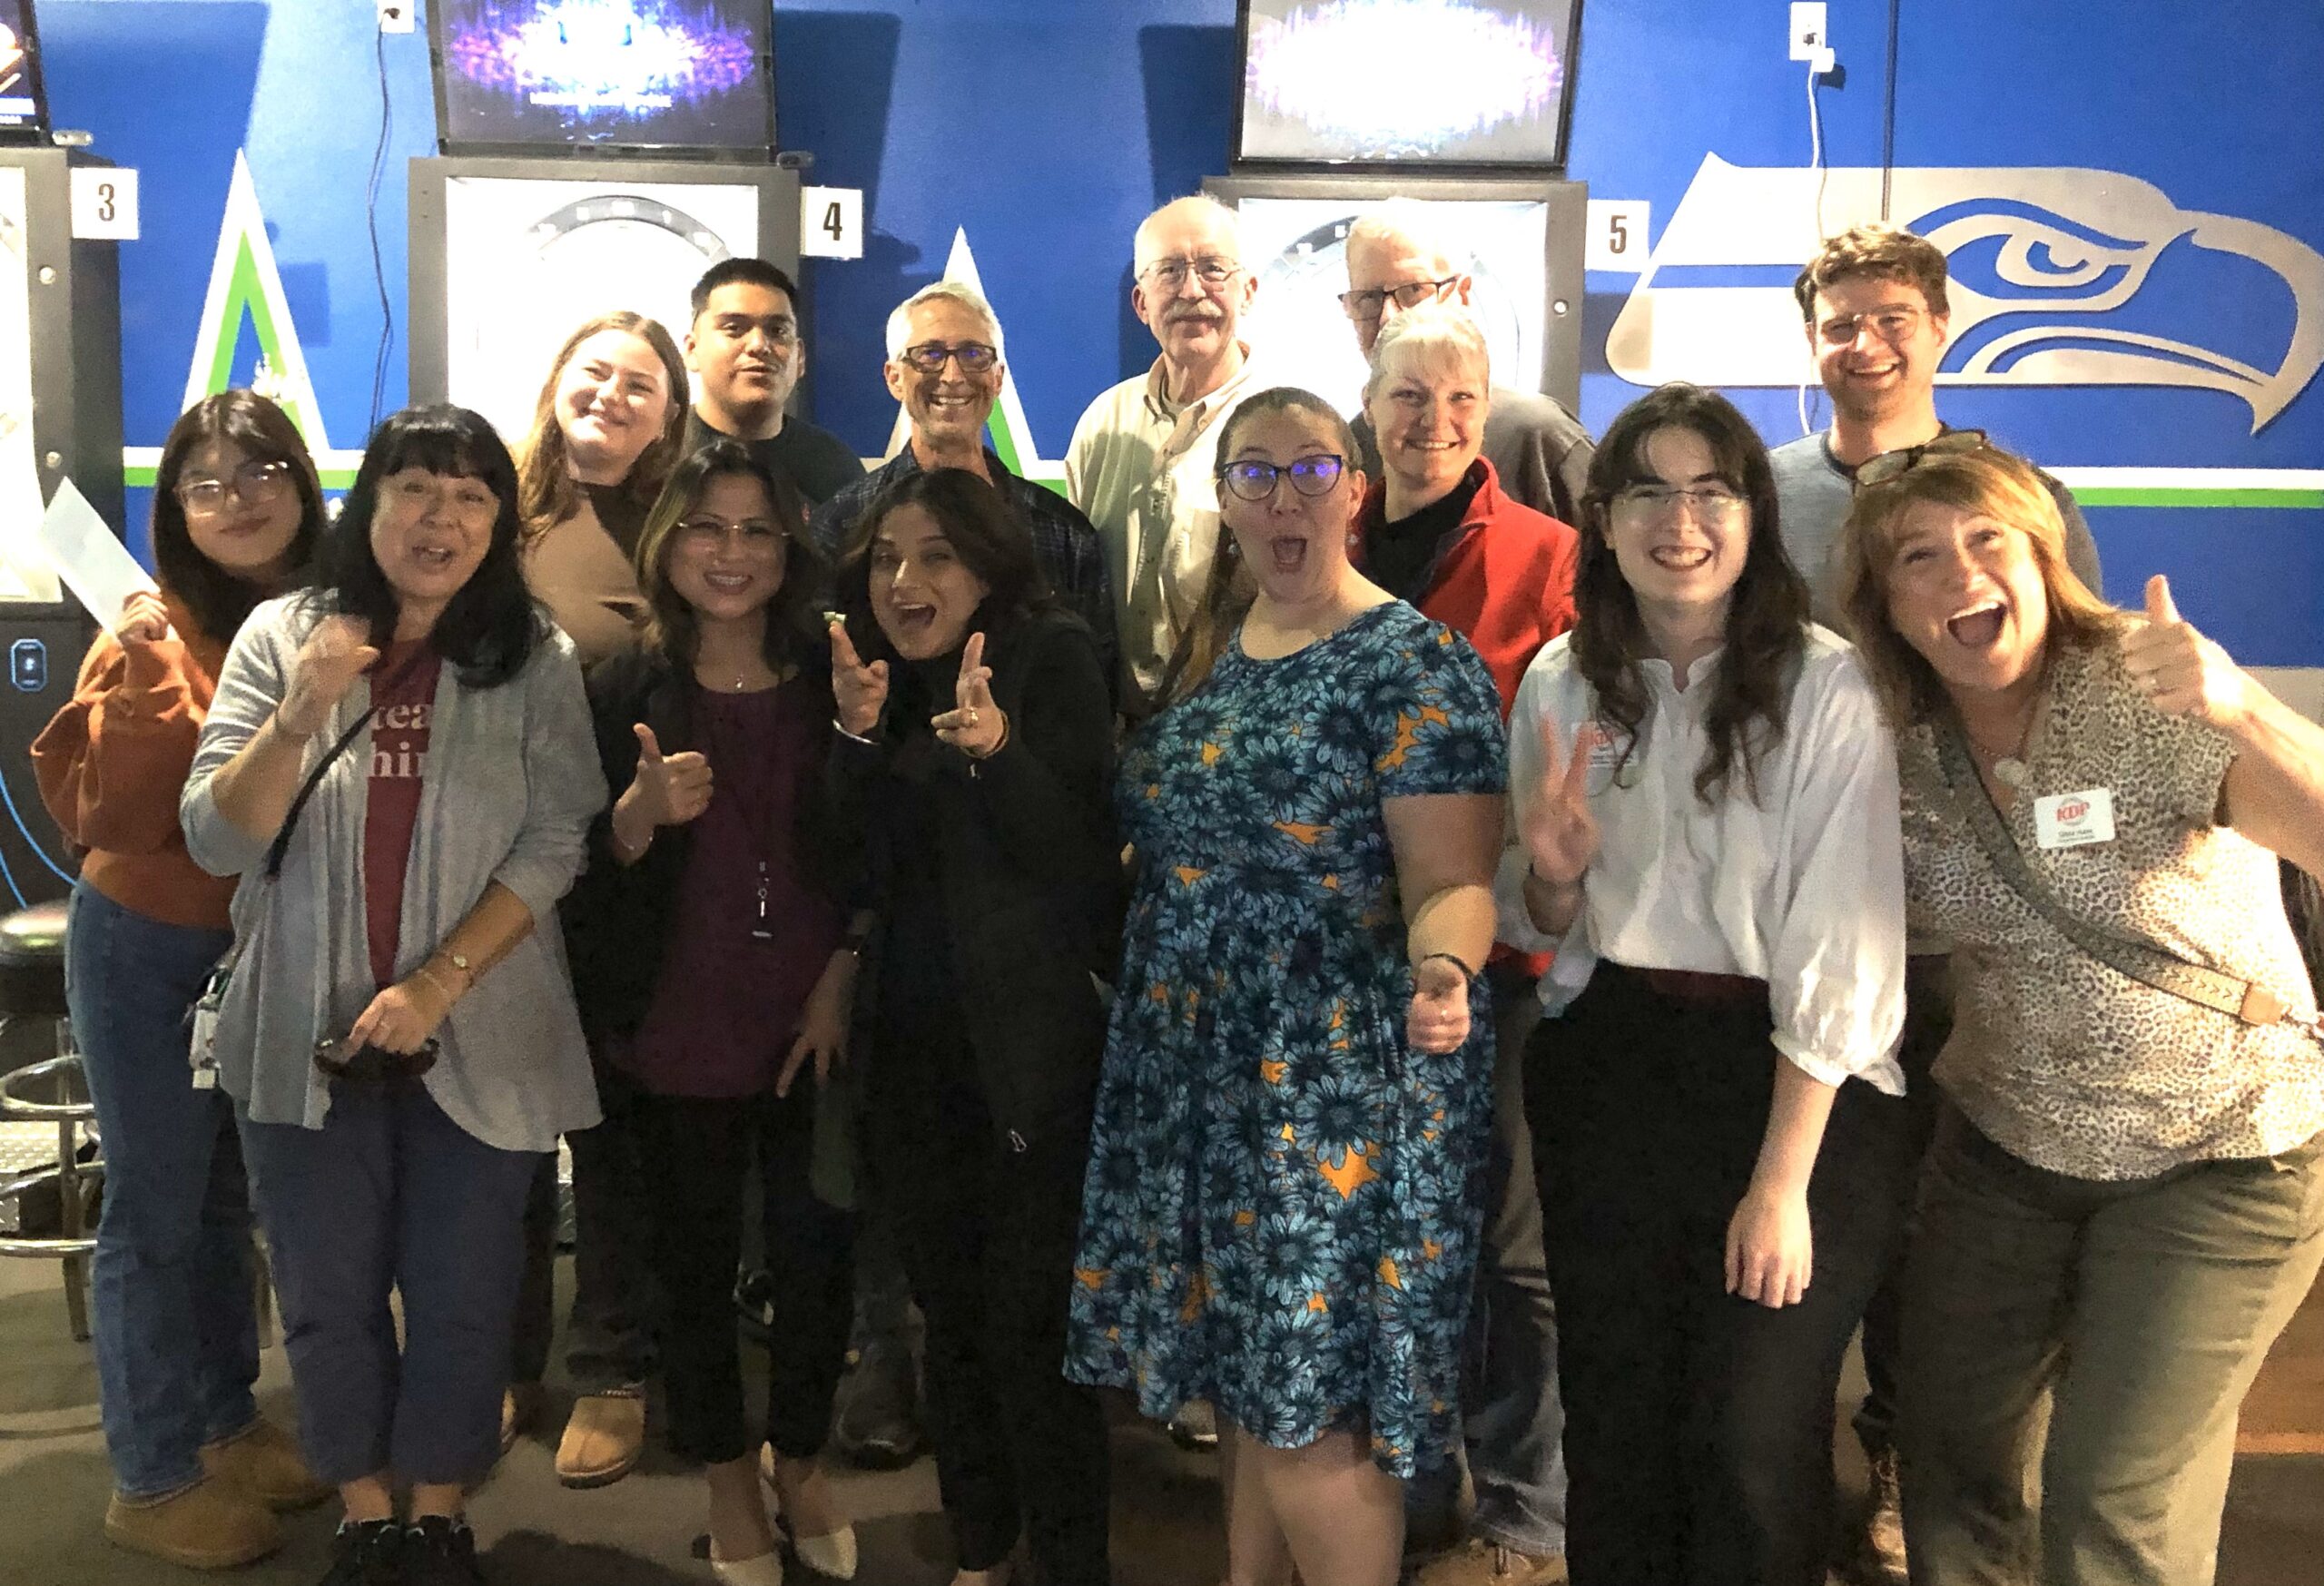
2136,1314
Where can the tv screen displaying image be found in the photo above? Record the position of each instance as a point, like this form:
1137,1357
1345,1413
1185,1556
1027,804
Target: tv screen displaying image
22,106
1446,83
668,75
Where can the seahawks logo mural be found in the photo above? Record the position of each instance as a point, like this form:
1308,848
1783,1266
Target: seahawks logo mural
2060,277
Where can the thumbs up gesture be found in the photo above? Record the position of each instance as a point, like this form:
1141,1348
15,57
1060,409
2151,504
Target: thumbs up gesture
2183,673
668,790
974,726
860,692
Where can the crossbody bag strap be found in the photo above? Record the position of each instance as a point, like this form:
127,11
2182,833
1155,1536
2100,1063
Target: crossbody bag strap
2143,962
282,845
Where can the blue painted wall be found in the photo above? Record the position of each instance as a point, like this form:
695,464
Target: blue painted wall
1049,127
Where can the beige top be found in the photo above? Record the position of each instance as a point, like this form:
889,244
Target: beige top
2060,1061
1142,470
577,570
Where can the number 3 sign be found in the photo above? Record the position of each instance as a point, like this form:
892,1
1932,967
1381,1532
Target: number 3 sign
830,222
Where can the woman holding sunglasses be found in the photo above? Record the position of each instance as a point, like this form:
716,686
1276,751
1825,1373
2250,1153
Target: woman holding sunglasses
236,513
1707,839
399,766
1282,1211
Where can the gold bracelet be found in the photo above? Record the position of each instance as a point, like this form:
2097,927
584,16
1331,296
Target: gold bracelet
437,980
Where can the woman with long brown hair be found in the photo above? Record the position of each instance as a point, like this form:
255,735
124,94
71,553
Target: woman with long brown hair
1706,837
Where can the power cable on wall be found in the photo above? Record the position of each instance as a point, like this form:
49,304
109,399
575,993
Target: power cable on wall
1823,176
1889,109
378,266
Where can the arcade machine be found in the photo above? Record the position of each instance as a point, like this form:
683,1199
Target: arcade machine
597,154
1345,106
60,417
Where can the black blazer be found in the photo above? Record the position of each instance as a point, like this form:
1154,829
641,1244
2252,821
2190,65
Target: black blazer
617,917
1031,870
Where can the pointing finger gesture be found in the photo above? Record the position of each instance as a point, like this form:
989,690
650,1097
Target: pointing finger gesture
859,690
974,726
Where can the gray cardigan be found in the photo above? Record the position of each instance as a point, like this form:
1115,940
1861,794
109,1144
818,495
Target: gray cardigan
511,785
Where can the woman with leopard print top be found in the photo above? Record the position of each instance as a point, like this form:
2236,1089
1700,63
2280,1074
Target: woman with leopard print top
2124,1204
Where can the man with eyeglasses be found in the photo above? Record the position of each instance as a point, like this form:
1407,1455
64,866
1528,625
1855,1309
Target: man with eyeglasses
945,365
1873,300
1140,461
746,355
1394,264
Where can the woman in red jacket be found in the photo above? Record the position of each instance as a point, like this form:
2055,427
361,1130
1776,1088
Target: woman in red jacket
196,1470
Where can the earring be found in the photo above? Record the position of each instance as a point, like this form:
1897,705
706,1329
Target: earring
1234,546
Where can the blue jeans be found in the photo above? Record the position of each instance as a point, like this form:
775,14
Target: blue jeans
1511,1422
170,1288
392,1196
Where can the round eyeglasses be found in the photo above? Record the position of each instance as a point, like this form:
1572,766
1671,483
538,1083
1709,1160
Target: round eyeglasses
261,484
1310,476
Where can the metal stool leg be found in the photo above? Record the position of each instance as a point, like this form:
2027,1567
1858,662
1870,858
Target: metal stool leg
68,1194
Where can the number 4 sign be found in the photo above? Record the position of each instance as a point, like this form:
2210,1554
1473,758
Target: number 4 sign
830,222
1617,239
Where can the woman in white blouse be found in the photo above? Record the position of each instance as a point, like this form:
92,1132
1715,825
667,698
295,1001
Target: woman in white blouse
1707,837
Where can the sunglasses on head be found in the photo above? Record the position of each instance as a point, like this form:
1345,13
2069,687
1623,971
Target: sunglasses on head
1887,465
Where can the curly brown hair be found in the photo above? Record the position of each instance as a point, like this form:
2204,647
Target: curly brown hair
1882,252
545,494
1766,614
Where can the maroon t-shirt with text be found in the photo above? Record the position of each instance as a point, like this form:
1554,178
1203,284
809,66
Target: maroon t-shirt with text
404,690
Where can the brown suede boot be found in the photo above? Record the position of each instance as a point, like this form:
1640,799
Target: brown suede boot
266,1464
603,1440
212,1525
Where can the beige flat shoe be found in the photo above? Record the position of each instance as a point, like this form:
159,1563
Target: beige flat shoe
212,1525
265,1463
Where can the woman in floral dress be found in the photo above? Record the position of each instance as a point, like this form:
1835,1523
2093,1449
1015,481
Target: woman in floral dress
1282,1210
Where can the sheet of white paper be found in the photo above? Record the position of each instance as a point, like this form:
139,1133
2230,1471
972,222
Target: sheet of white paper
89,556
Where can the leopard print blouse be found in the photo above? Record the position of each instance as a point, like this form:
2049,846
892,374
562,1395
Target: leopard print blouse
2066,1063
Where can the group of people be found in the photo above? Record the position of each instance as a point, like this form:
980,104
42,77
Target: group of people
1413,943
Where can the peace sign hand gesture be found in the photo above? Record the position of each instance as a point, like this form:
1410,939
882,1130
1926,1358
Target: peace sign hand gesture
975,726
1560,834
859,690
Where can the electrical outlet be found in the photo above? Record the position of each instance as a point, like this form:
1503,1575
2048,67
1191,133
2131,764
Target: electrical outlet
1808,32
396,15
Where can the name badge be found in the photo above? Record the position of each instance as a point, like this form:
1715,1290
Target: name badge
2071,820
1605,750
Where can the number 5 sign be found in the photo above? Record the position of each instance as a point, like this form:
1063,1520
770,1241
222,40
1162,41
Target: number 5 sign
1617,239
830,222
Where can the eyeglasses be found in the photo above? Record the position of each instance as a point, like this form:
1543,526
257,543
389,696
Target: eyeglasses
930,357
1310,476
260,484
1712,503
1887,465
1170,275
1891,324
711,532
1365,306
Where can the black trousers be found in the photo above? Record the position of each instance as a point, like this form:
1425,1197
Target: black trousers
701,1152
989,1236
609,1338
1699,1425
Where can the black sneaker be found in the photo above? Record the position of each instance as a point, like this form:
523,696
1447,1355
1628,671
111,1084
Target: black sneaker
438,1551
368,1552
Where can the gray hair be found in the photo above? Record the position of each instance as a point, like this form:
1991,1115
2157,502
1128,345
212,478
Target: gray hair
961,293
1405,220
1432,333
1218,214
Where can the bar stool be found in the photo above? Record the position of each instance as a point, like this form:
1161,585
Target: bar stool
53,1091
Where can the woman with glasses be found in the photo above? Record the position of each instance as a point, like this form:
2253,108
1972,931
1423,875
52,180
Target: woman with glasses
399,765
976,745
2125,1205
607,430
709,954
196,1469
1706,837
1282,1210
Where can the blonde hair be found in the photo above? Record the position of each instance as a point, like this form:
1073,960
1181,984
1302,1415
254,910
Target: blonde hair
546,493
1434,333
1989,483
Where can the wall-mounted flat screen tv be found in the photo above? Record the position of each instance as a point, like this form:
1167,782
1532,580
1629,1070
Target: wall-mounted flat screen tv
1460,84
23,106
659,76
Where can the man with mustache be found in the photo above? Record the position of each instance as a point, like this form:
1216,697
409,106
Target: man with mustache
1873,301
1395,263
746,353
1140,464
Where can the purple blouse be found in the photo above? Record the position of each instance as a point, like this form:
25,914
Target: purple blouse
751,933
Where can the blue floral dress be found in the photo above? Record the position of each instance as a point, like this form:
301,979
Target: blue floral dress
1282,1203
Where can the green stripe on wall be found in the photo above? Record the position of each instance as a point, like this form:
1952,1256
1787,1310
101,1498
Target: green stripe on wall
141,476
2137,496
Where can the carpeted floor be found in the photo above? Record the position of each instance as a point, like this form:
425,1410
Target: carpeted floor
638,1533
